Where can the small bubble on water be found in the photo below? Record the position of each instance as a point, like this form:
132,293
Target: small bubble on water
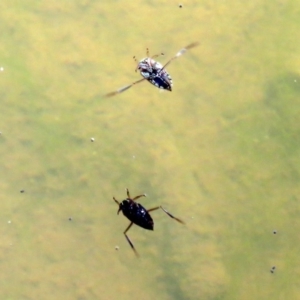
92,139
117,248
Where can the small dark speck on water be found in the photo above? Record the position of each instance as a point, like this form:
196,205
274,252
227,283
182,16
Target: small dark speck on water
272,271
70,219
274,231
180,5
22,191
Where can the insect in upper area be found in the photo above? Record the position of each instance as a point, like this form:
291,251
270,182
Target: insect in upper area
138,215
154,72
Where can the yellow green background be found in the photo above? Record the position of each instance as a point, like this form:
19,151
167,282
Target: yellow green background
221,151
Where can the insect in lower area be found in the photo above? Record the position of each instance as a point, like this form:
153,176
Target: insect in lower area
138,215
154,72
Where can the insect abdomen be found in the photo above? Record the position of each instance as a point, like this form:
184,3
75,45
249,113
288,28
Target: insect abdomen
137,214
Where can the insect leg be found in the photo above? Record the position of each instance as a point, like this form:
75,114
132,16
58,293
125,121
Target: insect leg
118,204
128,194
181,52
180,221
116,201
128,240
123,89
154,208
137,197
170,215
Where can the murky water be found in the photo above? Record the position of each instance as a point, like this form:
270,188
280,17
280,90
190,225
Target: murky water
221,151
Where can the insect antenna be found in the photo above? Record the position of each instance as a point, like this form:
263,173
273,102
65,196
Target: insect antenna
156,55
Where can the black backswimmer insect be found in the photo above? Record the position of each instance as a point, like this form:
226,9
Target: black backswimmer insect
138,215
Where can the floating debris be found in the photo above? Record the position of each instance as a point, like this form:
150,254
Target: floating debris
92,139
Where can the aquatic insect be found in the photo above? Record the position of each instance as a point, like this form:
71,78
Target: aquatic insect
138,215
154,72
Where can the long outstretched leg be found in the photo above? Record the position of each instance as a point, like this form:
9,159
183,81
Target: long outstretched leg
170,215
181,52
123,89
128,240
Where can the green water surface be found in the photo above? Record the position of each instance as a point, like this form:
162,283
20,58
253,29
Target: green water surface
221,151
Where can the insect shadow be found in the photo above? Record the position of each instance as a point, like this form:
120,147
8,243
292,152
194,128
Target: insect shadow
154,72
138,215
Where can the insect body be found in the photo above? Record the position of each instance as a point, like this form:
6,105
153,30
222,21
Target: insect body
154,72
138,215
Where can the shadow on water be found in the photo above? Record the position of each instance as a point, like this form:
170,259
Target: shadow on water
282,97
283,93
